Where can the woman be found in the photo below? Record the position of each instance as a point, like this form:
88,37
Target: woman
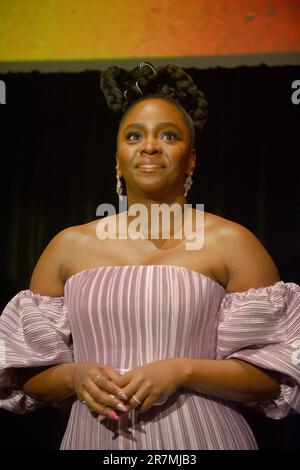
137,330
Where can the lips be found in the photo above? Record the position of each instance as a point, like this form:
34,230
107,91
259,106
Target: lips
149,164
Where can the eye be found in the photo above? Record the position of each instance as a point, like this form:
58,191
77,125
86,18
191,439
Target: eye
133,136
170,136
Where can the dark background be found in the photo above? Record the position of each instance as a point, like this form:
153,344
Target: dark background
58,165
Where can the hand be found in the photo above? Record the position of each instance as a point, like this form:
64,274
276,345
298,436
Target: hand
151,382
95,386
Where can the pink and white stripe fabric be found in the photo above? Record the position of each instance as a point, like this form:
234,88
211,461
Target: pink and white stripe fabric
262,326
34,332
126,316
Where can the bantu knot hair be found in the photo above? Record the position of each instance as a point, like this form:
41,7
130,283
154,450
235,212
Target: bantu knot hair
122,88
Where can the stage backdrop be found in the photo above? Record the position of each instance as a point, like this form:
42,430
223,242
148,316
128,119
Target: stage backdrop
58,159
58,165
87,30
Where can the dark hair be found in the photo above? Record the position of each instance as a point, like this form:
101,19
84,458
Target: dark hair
124,88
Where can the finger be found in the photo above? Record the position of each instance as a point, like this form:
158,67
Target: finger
101,396
124,380
106,384
112,373
137,398
148,403
129,383
134,388
144,398
115,378
99,409
135,402
154,399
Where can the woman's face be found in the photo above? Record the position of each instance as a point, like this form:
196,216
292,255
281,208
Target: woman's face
154,153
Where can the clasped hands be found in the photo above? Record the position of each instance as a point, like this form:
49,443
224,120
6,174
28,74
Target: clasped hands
105,392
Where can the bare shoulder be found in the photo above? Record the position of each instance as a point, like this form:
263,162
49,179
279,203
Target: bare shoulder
247,262
47,277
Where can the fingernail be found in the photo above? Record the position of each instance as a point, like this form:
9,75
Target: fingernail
121,407
113,415
123,396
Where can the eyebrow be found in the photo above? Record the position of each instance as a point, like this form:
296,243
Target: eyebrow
160,125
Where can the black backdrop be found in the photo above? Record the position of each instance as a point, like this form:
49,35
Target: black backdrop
57,166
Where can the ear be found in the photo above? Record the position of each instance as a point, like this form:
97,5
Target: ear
191,164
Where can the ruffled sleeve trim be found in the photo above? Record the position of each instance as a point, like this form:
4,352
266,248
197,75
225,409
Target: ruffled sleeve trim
34,332
262,327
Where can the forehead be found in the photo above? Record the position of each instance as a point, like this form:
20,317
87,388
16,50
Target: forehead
154,110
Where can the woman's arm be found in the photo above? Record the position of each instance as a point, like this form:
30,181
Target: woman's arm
231,379
51,385
91,383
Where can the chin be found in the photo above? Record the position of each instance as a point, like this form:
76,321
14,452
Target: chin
150,183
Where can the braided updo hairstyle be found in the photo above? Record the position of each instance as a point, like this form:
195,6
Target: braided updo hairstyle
123,88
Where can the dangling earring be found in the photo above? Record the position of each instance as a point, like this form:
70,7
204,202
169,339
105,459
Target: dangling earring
188,183
119,188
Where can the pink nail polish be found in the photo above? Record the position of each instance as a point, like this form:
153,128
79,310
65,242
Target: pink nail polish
113,415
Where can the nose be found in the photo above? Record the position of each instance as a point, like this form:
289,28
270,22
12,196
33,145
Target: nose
151,146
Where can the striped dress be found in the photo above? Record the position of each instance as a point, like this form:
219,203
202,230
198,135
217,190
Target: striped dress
126,316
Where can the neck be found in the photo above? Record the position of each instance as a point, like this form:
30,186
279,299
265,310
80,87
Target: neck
151,218
148,201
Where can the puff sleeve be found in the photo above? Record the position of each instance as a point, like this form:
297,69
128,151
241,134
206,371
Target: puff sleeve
34,332
262,327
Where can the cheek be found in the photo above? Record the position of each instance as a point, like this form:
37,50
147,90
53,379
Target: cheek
125,159
124,153
179,156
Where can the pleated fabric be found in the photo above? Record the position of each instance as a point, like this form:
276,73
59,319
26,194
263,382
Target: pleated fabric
34,332
126,316
262,326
